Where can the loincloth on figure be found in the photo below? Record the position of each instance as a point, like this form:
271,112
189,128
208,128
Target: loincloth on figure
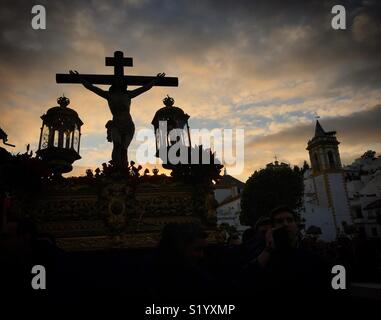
120,132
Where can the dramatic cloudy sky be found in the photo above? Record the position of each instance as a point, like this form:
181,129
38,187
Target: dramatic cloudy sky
264,66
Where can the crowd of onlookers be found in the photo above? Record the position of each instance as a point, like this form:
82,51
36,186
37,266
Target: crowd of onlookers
270,257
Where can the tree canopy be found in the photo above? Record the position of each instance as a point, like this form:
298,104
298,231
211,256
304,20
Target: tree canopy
271,187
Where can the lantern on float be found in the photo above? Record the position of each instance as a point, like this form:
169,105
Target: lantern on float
60,137
171,126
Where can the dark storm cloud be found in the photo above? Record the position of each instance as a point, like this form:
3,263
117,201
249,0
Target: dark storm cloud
289,37
359,128
192,28
21,46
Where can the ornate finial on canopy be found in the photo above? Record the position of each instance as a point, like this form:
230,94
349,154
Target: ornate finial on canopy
168,101
63,101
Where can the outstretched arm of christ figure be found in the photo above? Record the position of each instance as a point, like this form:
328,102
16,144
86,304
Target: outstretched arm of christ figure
138,91
90,86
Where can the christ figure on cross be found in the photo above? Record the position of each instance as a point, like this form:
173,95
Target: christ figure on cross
121,129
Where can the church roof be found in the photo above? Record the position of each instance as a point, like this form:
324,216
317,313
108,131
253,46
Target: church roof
229,199
322,137
229,181
319,131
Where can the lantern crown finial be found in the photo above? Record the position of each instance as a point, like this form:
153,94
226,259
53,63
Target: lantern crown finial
63,101
168,101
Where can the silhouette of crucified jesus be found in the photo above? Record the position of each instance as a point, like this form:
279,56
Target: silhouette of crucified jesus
121,129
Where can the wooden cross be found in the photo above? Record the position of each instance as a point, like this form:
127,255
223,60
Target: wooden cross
118,61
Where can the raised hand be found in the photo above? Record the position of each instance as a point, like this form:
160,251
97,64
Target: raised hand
84,82
149,85
158,76
269,240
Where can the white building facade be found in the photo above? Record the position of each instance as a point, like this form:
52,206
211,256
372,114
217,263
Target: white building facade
326,201
364,191
227,192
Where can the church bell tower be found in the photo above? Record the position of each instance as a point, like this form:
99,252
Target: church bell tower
328,176
324,151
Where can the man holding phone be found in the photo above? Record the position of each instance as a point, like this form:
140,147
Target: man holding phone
283,236
283,265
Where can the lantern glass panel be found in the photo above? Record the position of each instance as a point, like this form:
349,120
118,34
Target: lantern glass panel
163,138
67,140
76,139
56,138
45,137
157,137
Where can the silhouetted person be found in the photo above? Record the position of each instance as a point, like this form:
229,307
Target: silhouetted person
22,248
283,266
176,271
16,259
248,235
234,240
253,240
367,256
344,255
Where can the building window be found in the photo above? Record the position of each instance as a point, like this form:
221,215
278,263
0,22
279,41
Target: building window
374,232
331,160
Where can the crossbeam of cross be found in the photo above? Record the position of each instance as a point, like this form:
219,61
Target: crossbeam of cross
118,61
